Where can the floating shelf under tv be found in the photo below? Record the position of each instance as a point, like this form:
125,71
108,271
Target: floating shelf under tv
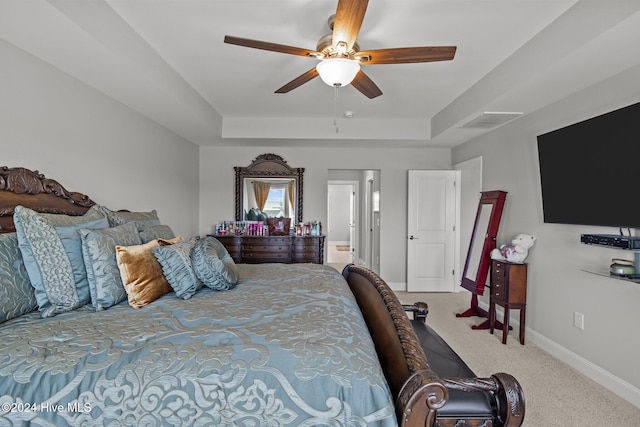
606,243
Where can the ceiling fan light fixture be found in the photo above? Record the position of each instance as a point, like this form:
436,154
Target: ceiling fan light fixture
338,71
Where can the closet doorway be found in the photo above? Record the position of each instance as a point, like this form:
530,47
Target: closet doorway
342,222
353,224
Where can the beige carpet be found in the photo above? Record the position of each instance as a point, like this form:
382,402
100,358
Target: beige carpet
556,395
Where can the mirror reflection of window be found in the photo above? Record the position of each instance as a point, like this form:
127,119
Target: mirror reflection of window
280,197
276,202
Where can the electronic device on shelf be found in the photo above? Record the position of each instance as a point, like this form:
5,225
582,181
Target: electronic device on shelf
613,240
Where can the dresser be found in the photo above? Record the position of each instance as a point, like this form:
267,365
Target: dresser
284,249
508,290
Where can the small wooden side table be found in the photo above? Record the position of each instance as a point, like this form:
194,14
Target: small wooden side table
508,290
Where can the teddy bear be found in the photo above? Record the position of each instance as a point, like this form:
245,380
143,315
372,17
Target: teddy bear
517,251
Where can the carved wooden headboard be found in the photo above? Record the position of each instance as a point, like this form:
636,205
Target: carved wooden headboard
31,189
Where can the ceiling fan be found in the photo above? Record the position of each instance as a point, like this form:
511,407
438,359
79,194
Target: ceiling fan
340,54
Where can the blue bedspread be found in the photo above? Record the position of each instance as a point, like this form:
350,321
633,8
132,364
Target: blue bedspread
287,346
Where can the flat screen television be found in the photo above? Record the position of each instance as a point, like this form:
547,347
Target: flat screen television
590,171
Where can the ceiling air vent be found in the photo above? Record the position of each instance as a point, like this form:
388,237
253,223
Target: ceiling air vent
489,120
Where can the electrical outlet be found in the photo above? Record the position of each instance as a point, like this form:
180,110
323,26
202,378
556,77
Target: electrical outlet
578,320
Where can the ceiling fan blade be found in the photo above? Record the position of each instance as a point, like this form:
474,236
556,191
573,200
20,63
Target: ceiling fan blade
407,55
348,20
273,47
299,81
365,85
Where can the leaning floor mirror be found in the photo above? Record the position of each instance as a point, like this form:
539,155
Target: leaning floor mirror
483,241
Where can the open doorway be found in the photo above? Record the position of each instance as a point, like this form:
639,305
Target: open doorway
342,222
353,218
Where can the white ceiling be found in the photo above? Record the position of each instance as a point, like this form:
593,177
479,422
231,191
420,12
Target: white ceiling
166,59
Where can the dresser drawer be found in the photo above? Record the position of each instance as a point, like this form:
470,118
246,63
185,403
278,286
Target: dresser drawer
305,249
497,280
309,244
498,290
306,257
267,241
498,268
265,248
284,249
260,257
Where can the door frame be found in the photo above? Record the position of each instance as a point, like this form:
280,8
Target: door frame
370,230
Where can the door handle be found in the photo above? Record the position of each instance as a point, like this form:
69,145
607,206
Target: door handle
413,238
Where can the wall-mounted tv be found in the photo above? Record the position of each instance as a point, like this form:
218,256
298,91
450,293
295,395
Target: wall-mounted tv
590,171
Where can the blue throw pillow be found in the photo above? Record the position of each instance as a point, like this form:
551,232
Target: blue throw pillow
213,264
153,232
52,252
99,254
119,217
16,293
177,269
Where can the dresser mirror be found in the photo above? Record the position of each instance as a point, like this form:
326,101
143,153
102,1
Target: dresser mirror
269,185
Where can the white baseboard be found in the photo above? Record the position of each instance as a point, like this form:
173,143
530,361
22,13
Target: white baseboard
603,377
338,242
398,286
615,384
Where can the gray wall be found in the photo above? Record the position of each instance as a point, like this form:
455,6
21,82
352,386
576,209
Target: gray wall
92,144
217,188
557,286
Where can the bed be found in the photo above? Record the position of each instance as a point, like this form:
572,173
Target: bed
297,344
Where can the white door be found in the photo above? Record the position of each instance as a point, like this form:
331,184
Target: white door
431,231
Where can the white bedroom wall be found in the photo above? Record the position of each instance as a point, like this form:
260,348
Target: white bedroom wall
92,144
608,347
217,188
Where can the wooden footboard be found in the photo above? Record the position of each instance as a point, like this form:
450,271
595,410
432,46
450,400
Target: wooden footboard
418,391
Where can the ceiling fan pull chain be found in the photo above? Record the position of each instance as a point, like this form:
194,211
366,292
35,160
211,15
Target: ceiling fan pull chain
335,108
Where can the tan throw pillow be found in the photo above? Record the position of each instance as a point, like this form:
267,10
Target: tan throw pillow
142,273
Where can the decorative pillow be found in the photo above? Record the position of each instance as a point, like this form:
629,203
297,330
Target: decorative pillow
16,293
99,254
213,264
119,218
52,252
141,272
151,232
176,265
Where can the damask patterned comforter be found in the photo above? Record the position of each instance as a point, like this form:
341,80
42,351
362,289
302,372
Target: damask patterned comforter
287,346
